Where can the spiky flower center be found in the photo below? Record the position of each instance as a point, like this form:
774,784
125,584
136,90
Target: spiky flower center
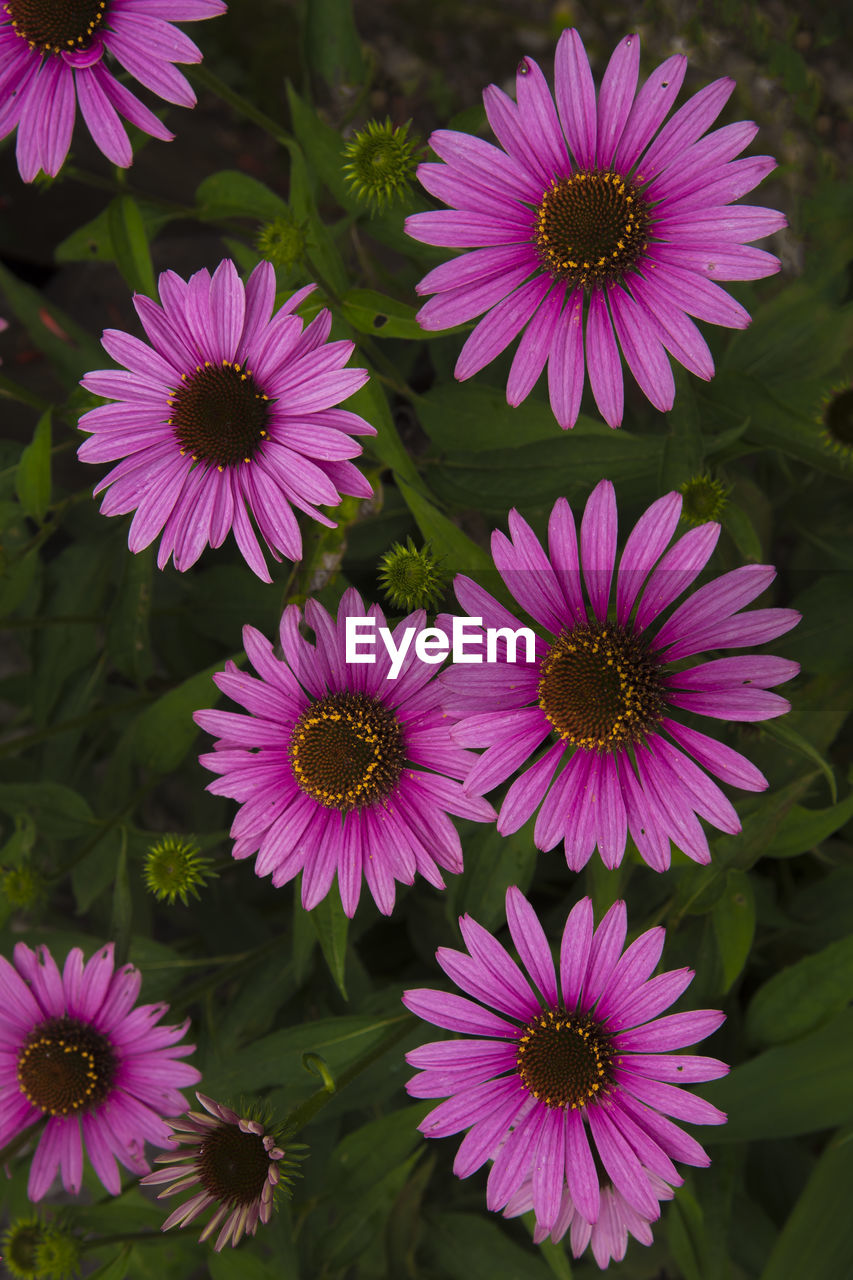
233,1166
175,868
410,577
564,1059
219,414
56,26
838,420
347,751
600,688
704,499
65,1066
591,228
20,1244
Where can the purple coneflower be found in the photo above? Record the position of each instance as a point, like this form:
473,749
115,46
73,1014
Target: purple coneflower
76,1053
593,220
52,57
608,1236
602,688
236,1163
227,409
336,767
557,1074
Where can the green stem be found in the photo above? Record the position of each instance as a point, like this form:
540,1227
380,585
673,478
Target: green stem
14,391
190,994
121,187
21,1139
26,740
204,76
299,1117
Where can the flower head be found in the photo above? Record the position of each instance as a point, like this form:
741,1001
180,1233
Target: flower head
606,685
53,56
230,407
23,887
836,421
704,499
592,223
175,867
608,1235
57,1254
283,241
410,577
338,768
238,1165
20,1242
380,164
78,1055
561,1075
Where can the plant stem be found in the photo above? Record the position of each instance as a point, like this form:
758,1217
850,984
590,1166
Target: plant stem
14,391
203,76
299,1117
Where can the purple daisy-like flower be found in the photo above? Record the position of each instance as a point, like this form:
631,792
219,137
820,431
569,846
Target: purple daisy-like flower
594,224
236,1163
229,407
556,1074
336,766
76,1053
52,58
608,1236
601,690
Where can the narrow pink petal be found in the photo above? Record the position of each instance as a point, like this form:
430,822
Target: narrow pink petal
602,361
650,108
646,543
642,349
534,348
531,944
616,97
581,1173
598,546
566,362
575,91
574,952
498,328
548,1166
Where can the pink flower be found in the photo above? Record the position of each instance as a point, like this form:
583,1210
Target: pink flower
592,224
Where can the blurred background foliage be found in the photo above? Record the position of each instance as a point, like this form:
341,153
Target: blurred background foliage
106,658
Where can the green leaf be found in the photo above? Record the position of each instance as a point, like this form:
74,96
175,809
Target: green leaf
332,44
57,810
76,582
121,924
383,317
69,347
533,477
795,1088
789,737
331,925
734,924
115,1270
232,194
128,640
130,245
93,241
32,480
685,1231
322,252
459,552
371,403
803,995
277,1059
738,524
325,147
823,640
492,863
468,1246
241,1266
804,829
476,417
817,1240
165,731
369,1152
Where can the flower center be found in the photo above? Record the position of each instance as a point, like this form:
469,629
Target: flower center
591,227
56,26
564,1059
347,751
219,415
599,687
66,1066
233,1166
838,419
